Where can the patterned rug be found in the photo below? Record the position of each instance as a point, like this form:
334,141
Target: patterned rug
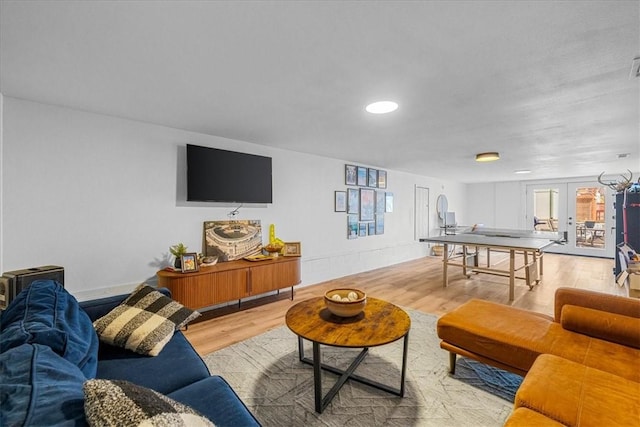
278,388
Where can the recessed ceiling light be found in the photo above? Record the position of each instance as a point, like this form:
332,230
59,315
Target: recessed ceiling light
487,157
382,107
523,171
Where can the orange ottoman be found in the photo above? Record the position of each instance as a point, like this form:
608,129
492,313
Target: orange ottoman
576,395
502,336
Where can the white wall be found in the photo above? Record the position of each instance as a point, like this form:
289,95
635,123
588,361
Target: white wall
104,198
496,205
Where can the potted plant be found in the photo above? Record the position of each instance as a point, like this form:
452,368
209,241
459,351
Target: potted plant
177,251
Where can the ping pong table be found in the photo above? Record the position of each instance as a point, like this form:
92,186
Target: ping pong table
531,244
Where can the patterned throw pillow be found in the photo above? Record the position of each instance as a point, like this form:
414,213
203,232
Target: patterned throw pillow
144,322
121,403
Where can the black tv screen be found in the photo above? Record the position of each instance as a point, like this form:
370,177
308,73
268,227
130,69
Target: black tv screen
215,175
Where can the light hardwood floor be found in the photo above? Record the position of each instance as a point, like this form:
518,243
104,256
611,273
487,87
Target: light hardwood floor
415,284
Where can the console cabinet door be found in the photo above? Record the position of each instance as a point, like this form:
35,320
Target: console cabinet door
270,277
231,285
193,291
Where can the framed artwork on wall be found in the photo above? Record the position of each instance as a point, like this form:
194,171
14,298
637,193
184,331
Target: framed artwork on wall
382,179
353,201
372,180
352,226
350,175
189,262
389,202
340,201
362,176
379,224
367,204
380,202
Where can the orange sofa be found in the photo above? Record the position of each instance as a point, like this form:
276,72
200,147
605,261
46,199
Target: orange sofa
581,366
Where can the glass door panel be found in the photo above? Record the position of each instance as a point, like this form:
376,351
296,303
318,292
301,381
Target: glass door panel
547,210
590,209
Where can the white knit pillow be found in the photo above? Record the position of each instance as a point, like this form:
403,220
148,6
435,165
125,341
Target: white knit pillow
121,403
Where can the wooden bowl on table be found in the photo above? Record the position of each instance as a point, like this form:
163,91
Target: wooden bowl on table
345,302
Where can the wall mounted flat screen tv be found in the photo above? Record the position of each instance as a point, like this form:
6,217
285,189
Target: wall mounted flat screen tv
215,175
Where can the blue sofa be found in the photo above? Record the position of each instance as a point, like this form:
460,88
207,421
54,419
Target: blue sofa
48,349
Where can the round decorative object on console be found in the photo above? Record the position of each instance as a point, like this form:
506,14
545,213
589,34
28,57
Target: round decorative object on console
345,302
209,260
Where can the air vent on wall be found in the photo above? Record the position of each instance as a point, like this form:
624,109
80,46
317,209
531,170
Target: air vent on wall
635,68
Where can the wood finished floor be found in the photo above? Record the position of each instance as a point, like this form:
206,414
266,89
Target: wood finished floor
415,284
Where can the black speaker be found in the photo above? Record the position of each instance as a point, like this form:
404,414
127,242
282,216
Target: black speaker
12,282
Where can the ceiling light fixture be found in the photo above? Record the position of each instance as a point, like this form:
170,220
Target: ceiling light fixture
382,107
487,157
522,171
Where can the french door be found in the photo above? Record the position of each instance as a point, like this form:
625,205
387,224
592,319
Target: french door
581,211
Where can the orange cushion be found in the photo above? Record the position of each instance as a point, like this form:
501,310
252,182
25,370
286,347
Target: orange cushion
525,417
612,327
576,395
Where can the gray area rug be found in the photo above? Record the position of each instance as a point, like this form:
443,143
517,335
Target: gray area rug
278,388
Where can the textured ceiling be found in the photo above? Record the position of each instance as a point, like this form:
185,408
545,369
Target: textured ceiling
545,83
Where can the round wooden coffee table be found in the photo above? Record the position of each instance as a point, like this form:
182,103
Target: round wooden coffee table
380,323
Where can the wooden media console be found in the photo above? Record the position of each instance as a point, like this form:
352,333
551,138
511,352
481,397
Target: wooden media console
231,281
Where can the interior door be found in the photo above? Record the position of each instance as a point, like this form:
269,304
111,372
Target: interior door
421,226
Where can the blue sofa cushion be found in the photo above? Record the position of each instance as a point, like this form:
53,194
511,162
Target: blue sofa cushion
214,398
45,313
177,365
40,388
144,322
121,403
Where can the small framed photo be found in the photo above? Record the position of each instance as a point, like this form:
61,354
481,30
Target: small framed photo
292,249
362,229
340,202
189,262
352,226
362,176
372,177
372,228
350,175
379,224
382,179
389,202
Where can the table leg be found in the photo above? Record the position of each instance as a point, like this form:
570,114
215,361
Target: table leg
512,273
317,377
527,271
445,263
405,347
322,402
464,260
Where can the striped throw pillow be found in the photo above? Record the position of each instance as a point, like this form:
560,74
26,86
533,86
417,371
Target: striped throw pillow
144,322
121,403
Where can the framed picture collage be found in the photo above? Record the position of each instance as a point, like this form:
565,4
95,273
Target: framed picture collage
365,201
